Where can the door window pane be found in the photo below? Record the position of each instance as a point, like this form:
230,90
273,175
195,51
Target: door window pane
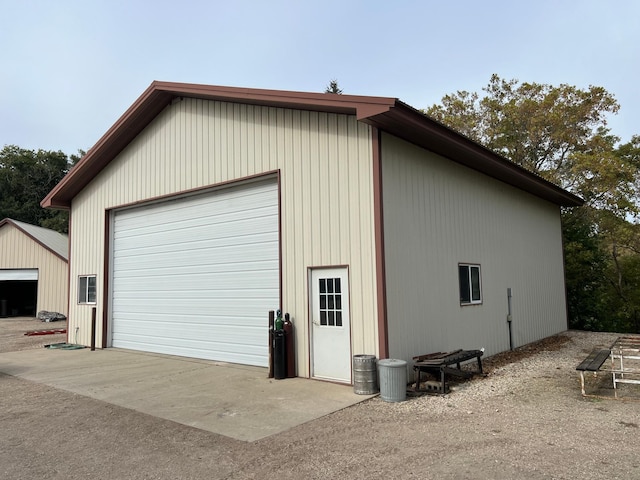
330,301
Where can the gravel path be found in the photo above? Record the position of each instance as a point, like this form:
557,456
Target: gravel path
526,419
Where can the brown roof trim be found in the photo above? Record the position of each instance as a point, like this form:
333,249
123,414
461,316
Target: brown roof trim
387,114
8,221
412,125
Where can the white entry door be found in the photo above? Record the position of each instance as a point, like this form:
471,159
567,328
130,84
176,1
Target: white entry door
329,324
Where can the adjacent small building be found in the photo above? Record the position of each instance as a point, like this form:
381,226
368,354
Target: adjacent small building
379,230
33,269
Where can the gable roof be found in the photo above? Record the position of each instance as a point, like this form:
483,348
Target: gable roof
55,242
385,113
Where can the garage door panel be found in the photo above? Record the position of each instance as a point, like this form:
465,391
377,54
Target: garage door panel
155,246
206,250
217,233
176,295
145,222
169,215
145,321
205,307
201,335
197,276
218,257
154,268
205,267
204,345
8,274
206,282
240,356
177,306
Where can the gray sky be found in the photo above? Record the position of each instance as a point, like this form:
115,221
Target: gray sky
69,69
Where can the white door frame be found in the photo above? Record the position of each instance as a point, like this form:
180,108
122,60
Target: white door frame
329,323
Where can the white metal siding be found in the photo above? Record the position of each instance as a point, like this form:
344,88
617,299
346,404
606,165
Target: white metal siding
438,214
18,251
326,182
195,276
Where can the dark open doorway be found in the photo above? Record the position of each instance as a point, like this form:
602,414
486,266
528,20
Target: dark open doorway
18,298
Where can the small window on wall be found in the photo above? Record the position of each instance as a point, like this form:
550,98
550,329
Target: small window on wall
470,284
87,289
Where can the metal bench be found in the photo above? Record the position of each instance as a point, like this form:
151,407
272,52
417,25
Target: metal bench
592,363
439,365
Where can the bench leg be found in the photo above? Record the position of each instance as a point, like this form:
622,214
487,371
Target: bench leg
582,383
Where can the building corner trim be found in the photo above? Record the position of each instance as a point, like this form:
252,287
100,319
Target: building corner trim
381,282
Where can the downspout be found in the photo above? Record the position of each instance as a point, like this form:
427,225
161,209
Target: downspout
509,318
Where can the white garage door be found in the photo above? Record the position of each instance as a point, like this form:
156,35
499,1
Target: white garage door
19,274
197,276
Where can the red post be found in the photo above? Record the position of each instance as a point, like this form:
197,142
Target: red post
290,343
271,326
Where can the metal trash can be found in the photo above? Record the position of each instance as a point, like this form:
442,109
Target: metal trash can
365,375
393,379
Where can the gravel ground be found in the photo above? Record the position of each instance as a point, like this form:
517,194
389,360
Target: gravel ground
525,419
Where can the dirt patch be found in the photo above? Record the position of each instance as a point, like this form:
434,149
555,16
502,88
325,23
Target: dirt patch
525,419
13,329
549,344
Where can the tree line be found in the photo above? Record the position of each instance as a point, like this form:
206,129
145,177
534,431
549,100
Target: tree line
558,132
26,177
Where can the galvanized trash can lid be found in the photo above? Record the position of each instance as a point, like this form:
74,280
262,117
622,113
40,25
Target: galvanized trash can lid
392,363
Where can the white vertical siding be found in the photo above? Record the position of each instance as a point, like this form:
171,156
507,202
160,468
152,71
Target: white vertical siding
18,250
438,213
326,196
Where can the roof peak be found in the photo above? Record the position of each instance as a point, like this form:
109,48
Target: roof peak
385,113
55,242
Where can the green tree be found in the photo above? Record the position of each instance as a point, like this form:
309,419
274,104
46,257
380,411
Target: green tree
26,177
333,87
559,132
585,272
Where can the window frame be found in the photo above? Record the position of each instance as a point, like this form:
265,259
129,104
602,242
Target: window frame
470,267
84,291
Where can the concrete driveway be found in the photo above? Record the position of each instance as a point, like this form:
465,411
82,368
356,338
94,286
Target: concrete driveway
232,400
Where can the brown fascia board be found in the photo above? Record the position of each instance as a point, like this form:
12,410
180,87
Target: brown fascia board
361,106
413,126
388,114
161,94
